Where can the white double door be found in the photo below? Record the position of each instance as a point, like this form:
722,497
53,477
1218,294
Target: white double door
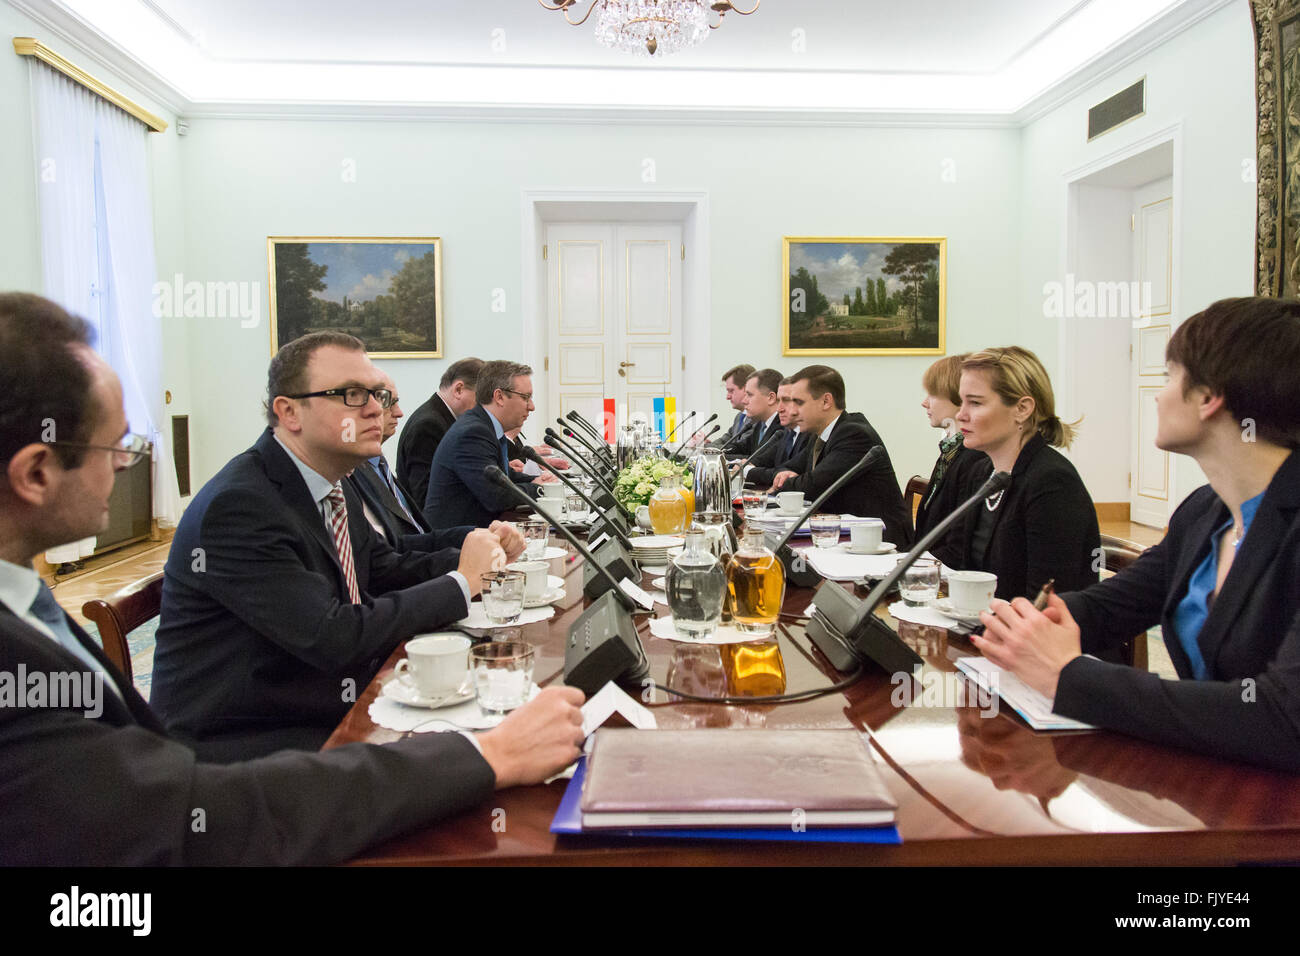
614,318
1151,494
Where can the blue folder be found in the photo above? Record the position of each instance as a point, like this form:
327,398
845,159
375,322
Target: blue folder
568,819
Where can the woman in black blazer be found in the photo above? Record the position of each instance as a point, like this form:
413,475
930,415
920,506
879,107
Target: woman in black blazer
959,471
1043,526
1222,584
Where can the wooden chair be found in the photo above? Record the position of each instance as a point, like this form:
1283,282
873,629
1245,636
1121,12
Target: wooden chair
1119,553
915,493
119,614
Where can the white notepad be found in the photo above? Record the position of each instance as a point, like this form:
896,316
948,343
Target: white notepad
1034,707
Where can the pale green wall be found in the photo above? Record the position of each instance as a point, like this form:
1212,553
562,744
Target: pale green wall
247,179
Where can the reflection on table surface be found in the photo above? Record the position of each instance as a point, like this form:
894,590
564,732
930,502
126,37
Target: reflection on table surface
963,771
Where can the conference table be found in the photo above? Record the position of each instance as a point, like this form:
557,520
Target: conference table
972,788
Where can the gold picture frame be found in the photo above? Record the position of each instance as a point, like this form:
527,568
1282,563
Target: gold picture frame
386,291
905,302
1277,169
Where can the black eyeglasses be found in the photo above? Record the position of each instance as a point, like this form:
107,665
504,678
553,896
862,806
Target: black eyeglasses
129,451
354,396
526,396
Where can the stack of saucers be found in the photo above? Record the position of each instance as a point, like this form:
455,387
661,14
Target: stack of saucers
652,549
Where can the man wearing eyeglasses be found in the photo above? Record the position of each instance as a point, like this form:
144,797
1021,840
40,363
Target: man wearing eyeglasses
458,493
280,602
106,785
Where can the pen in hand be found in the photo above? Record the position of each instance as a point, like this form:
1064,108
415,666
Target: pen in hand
1040,602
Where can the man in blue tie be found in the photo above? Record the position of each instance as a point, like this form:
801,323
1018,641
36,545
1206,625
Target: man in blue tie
733,381
761,408
104,784
458,494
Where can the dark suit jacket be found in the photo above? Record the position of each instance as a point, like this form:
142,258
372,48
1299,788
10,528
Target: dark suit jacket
737,425
458,492
399,531
1045,526
782,456
963,477
115,790
419,439
872,494
748,443
1249,708
259,647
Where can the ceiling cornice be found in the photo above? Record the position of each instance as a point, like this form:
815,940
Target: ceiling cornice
69,28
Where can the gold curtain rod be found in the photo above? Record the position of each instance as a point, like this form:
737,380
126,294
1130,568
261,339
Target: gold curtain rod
28,46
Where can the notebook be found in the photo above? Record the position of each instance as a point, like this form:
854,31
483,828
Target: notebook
1035,708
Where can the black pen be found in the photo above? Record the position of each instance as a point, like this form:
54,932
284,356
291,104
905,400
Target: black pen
1040,602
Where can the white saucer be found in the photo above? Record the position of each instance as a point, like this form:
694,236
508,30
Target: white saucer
549,554
400,692
553,594
886,547
944,606
660,583
657,542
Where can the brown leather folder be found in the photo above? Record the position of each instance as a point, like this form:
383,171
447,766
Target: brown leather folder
733,778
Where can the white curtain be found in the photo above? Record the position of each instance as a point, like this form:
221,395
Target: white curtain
97,252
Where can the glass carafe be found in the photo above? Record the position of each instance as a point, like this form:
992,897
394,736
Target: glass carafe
721,541
756,585
667,508
696,584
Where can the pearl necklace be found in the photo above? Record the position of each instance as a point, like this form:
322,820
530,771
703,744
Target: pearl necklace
992,501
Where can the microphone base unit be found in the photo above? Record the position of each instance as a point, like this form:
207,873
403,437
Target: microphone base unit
613,557
603,524
832,630
603,646
798,569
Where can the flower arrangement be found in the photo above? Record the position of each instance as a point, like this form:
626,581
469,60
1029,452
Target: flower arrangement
637,483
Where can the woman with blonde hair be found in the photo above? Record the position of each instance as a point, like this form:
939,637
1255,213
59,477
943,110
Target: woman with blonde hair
959,471
1044,525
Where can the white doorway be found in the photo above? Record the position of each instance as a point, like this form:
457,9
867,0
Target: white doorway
643,259
1121,287
613,318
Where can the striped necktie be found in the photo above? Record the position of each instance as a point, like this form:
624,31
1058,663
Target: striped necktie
338,522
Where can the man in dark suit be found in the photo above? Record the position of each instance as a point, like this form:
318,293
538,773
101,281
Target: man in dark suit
786,451
458,493
430,422
1222,584
762,408
97,781
733,381
391,510
837,443
279,601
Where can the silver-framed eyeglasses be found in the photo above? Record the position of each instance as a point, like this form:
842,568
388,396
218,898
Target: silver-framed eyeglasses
129,451
354,396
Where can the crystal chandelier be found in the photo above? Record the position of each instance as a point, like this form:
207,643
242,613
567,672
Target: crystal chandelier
651,27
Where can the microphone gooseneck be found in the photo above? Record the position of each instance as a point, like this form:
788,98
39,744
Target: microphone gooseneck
531,454
677,426
870,458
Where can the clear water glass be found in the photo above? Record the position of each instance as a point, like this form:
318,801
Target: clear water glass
920,584
503,674
536,533
825,530
503,596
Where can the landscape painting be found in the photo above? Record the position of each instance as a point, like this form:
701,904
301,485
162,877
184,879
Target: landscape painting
386,292
864,296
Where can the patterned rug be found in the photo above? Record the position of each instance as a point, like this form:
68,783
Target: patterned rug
140,642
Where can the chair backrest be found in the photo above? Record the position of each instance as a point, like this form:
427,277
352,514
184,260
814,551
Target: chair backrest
121,613
1119,553
915,493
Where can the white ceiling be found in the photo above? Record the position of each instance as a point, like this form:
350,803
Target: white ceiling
980,61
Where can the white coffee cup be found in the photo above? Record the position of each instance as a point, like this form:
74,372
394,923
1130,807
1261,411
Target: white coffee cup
550,507
790,502
534,577
866,536
643,517
435,665
554,489
971,591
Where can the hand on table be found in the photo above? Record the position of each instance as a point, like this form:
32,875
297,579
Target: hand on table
543,449
545,478
516,465
781,478
480,553
1034,645
558,463
510,538
539,739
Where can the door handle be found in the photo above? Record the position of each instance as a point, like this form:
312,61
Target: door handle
626,364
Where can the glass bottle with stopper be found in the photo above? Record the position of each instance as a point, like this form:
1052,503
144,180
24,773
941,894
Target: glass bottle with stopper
755,584
696,584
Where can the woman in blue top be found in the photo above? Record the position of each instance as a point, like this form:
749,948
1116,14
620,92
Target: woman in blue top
1225,582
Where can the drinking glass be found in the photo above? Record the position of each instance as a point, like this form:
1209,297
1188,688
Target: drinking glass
536,533
920,585
503,596
825,530
575,509
503,674
754,504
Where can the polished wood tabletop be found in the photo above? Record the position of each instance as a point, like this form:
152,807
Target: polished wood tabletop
972,786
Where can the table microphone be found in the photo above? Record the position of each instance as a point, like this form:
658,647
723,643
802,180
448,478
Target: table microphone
847,631
677,455
797,568
532,455
677,426
744,431
688,438
585,444
592,468
603,644
593,472
776,433
573,416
